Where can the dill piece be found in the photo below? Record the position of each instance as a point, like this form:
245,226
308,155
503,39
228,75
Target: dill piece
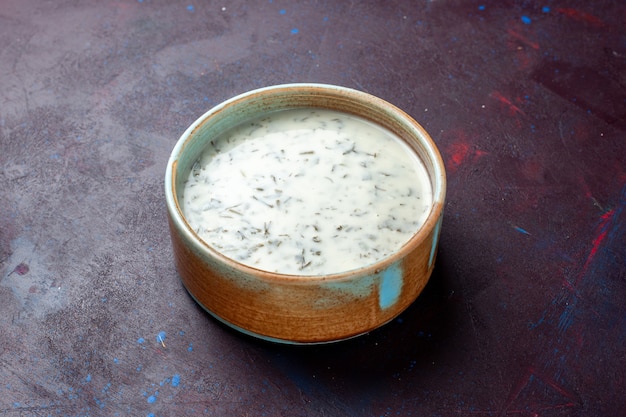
261,201
352,149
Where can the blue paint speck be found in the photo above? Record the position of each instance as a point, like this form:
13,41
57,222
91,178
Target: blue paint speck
481,7
176,380
99,402
151,415
533,326
566,319
294,31
115,360
190,8
88,379
152,398
141,340
545,9
190,348
526,20
283,11
161,336
519,229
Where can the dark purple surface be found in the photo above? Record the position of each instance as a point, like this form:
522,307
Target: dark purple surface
525,314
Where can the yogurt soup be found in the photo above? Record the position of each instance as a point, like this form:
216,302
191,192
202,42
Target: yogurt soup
307,192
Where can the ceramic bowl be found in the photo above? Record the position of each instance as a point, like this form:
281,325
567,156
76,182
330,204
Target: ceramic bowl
291,308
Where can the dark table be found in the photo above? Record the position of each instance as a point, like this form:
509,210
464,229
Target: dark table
525,314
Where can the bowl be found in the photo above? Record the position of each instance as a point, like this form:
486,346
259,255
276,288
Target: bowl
295,305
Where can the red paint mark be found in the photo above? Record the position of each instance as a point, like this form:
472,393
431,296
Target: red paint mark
518,36
558,388
588,193
507,102
568,285
571,399
534,170
516,390
580,16
461,151
597,242
159,351
22,269
602,231
523,47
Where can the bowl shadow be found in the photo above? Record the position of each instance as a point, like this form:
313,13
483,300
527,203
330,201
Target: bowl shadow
402,350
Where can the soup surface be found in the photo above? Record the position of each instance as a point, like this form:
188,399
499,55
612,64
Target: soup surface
307,192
